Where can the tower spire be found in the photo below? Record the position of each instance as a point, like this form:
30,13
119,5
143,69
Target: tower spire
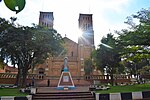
46,19
86,26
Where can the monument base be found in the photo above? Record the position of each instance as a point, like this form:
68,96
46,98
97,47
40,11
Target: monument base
65,81
65,87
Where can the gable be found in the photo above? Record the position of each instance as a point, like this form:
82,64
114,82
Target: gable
71,47
69,40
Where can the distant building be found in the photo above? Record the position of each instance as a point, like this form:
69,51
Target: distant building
77,53
46,19
9,69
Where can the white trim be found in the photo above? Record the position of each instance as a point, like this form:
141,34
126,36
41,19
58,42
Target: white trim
29,97
115,96
97,96
65,85
71,79
137,95
60,79
7,98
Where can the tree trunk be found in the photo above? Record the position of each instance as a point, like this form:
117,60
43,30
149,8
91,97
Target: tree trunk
112,79
112,76
18,77
24,75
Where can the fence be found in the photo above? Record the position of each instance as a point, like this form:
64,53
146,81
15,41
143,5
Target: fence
8,78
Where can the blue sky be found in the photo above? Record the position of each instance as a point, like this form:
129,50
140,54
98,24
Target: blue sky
108,15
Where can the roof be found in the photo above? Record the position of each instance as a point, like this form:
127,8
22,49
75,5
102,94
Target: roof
11,69
67,39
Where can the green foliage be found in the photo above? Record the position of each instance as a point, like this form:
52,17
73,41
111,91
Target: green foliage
2,64
145,70
15,5
93,56
88,66
135,41
27,46
107,56
143,15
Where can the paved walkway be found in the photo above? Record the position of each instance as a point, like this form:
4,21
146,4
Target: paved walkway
54,89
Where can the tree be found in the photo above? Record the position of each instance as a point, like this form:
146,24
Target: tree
137,34
145,70
135,41
2,64
88,66
107,55
27,46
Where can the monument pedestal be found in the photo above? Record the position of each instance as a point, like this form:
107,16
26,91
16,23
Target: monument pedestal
65,81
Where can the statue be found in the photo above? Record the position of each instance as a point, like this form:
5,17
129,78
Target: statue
65,64
65,80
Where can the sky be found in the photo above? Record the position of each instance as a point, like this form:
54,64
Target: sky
108,15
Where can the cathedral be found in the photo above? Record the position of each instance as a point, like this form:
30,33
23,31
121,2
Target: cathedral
76,53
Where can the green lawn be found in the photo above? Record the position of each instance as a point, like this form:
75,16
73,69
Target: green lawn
129,88
11,92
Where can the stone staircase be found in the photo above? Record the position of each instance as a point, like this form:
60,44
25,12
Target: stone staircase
63,96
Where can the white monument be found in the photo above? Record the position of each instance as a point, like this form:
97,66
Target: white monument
65,80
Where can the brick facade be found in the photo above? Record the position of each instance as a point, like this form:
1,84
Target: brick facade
76,52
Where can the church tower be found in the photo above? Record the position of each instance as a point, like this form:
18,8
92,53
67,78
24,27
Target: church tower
86,27
46,19
86,41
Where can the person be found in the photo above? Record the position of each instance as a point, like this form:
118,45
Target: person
33,81
48,82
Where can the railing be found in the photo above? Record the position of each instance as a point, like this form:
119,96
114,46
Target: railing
102,78
36,76
145,76
29,76
73,77
107,78
97,77
7,75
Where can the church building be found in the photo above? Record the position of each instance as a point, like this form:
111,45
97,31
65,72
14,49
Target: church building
76,53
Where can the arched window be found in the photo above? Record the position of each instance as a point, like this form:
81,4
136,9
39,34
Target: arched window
41,70
72,54
42,23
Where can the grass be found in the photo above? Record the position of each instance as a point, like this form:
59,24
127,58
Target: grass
11,92
127,88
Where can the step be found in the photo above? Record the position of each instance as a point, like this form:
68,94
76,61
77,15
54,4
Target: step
67,99
60,92
63,96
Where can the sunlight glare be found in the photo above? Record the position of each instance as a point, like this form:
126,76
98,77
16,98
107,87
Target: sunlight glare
79,33
106,45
